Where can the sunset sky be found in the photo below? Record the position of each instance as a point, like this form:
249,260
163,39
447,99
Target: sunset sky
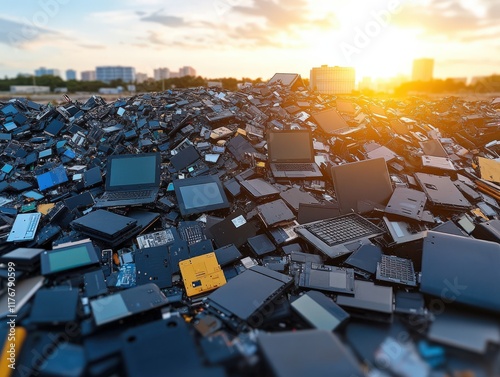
252,38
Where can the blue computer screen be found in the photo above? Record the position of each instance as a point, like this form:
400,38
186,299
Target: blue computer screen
133,170
201,195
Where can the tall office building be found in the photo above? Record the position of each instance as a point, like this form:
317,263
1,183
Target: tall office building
88,76
110,73
161,74
70,74
187,71
141,77
423,69
332,80
42,71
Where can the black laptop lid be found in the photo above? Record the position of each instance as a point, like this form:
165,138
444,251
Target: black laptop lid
359,182
290,146
105,223
330,121
130,172
460,269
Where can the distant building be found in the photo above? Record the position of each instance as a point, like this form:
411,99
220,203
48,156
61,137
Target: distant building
458,80
70,74
366,84
88,76
214,84
161,74
291,80
187,71
332,80
389,85
423,69
117,90
110,73
42,71
26,89
165,73
478,80
141,77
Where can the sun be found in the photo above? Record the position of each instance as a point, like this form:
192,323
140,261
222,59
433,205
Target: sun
388,55
368,40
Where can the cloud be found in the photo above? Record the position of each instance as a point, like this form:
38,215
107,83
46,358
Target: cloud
19,34
263,24
92,46
277,14
156,39
270,20
252,36
165,20
283,15
451,20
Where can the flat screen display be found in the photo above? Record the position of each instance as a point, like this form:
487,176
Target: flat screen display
68,258
133,170
200,194
290,146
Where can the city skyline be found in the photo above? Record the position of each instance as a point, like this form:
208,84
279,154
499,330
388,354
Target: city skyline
253,38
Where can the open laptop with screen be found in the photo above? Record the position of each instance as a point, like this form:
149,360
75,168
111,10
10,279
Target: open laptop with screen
131,180
291,154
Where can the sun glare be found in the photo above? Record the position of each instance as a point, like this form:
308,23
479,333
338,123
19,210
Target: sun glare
367,40
378,53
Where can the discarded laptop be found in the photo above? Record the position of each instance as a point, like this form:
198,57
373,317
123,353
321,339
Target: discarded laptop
338,236
291,154
234,299
332,123
24,227
131,180
363,185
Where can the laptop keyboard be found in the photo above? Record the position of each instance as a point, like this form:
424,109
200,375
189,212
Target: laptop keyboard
33,223
396,270
121,195
342,229
295,167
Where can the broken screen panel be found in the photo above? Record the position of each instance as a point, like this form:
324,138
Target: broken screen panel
200,194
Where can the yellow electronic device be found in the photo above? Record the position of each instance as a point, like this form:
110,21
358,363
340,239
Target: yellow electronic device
201,274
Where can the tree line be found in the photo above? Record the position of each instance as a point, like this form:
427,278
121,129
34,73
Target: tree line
488,84
73,86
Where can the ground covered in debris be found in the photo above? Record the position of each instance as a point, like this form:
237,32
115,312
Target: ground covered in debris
267,231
